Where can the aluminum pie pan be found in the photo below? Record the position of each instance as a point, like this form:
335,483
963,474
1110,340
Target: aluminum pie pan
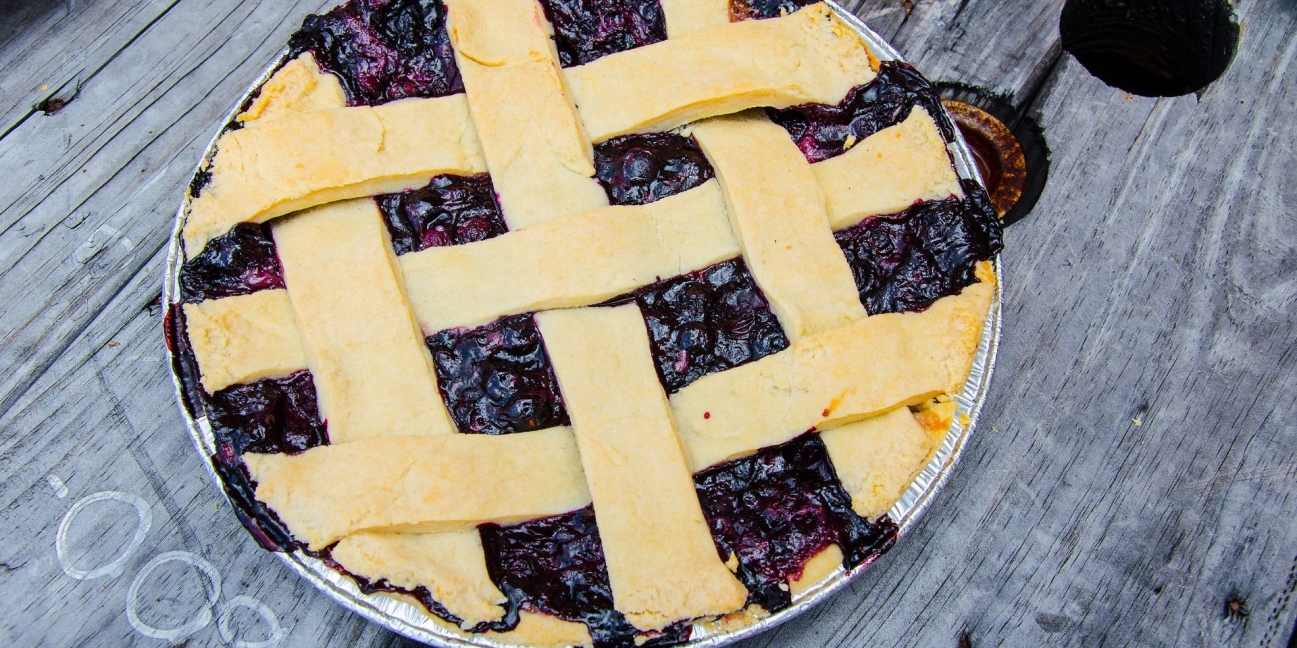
412,621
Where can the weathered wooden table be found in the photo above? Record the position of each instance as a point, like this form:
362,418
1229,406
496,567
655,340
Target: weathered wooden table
1133,480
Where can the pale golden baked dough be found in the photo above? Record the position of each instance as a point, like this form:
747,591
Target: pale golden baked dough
244,339
806,57
540,159
777,212
877,458
421,484
299,86
818,568
578,260
832,378
539,630
449,564
688,16
305,159
498,32
372,372
662,562
888,171
539,156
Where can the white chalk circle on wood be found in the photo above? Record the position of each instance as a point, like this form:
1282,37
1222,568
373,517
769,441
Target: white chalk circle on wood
196,621
266,614
112,567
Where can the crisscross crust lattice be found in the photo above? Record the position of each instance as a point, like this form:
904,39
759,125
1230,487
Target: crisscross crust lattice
397,490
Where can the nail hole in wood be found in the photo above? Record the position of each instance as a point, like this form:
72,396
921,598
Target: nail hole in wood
1152,48
1236,608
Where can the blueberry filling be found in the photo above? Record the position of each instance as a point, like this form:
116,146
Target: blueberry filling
587,30
639,169
707,321
780,507
822,131
451,210
907,261
556,565
238,263
200,181
276,415
496,379
383,50
759,9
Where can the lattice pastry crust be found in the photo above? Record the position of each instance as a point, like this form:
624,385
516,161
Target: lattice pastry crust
398,494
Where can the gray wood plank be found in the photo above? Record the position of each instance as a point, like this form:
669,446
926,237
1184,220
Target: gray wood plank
49,49
1153,285
96,184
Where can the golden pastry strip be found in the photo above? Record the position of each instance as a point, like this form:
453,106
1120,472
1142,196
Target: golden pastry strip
499,32
244,339
846,374
450,564
297,87
877,458
573,261
541,162
310,158
888,171
806,57
688,16
777,211
540,159
421,484
662,562
372,372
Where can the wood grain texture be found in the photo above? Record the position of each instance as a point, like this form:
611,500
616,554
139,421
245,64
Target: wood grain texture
1135,467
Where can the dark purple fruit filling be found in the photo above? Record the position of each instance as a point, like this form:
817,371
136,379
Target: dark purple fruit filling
707,321
420,593
821,131
907,261
451,210
383,50
556,565
183,363
276,415
238,263
639,169
586,30
759,9
200,181
779,508
496,379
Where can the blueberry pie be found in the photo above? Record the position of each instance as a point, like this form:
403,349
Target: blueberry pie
581,322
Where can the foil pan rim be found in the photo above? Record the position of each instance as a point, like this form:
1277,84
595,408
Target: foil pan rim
406,619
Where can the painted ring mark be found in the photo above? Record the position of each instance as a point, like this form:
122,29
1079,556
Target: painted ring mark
268,615
113,567
198,622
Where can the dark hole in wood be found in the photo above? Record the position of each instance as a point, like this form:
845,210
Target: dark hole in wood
59,99
1008,147
1236,608
1152,48
51,105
